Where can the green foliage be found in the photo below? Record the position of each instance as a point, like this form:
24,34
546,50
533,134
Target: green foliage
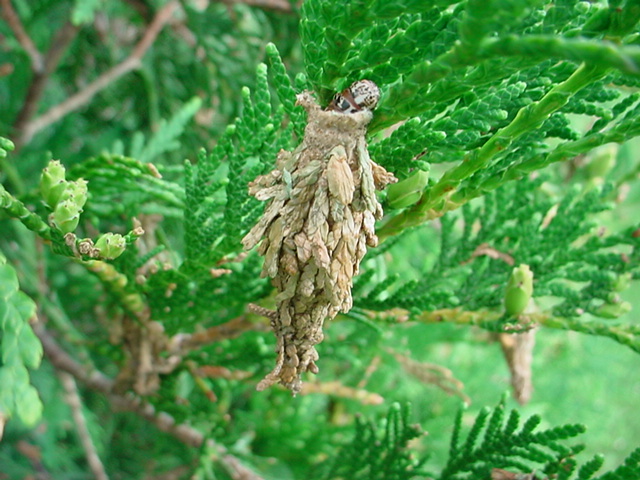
221,209
492,116
341,46
165,137
377,453
123,185
20,350
84,11
494,441
466,100
582,272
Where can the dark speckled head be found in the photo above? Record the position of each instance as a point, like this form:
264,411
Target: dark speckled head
361,95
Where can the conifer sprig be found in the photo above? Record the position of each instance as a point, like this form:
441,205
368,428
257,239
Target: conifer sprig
19,349
494,60
493,442
377,452
586,270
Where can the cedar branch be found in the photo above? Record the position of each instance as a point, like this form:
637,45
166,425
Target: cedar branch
98,381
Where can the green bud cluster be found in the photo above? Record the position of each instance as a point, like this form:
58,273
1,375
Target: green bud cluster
65,198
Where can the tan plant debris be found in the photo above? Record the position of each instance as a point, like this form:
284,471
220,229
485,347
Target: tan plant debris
518,351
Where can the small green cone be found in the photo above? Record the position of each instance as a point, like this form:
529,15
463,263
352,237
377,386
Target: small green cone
66,216
53,183
111,245
519,290
76,191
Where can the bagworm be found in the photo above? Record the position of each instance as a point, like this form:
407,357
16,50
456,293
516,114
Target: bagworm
317,225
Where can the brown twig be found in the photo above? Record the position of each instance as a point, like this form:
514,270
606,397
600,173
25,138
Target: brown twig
163,421
96,380
33,454
85,95
12,19
431,374
178,473
3,422
62,39
337,389
518,352
75,404
62,361
484,249
233,328
237,470
142,7
373,366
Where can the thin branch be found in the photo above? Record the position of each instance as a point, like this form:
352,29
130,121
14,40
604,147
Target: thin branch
163,421
12,19
518,352
73,400
96,380
237,470
3,422
142,7
60,359
34,456
178,473
430,373
85,95
61,41
182,343
337,389
59,45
